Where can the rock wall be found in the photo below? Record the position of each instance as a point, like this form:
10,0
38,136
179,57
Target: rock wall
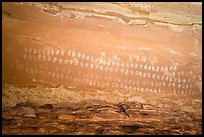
55,53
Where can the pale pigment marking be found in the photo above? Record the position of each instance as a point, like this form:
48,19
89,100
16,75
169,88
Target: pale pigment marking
166,68
69,52
108,63
153,68
113,64
152,84
48,74
29,50
44,52
81,64
24,56
96,59
140,74
70,62
39,51
92,59
183,85
144,75
131,65
173,84
182,73
73,54
157,69
171,68
91,66
86,65
39,57
60,60
127,65
87,58
169,75
179,74
137,58
156,85
149,67
162,77
175,68
199,77
162,69
179,80
117,64
173,73
83,56
136,66
34,51
137,73
153,76
57,52
49,58
144,59
122,64
76,62
48,52
141,66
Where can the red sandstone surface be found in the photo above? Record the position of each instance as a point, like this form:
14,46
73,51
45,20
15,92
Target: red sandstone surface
116,52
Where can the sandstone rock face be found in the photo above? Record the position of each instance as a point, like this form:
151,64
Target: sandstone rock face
55,53
103,118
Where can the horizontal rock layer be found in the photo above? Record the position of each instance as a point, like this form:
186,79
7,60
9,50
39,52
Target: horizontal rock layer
99,117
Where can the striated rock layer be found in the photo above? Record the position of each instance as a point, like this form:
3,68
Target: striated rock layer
99,117
116,52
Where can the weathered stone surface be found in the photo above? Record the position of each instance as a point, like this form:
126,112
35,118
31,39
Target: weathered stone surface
140,121
102,68
66,117
28,112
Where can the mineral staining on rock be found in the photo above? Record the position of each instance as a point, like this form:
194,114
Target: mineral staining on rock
131,73
122,68
132,47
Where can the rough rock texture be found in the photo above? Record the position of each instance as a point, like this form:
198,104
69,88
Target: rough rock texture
99,117
139,64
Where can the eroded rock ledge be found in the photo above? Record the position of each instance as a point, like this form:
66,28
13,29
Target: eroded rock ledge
99,117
